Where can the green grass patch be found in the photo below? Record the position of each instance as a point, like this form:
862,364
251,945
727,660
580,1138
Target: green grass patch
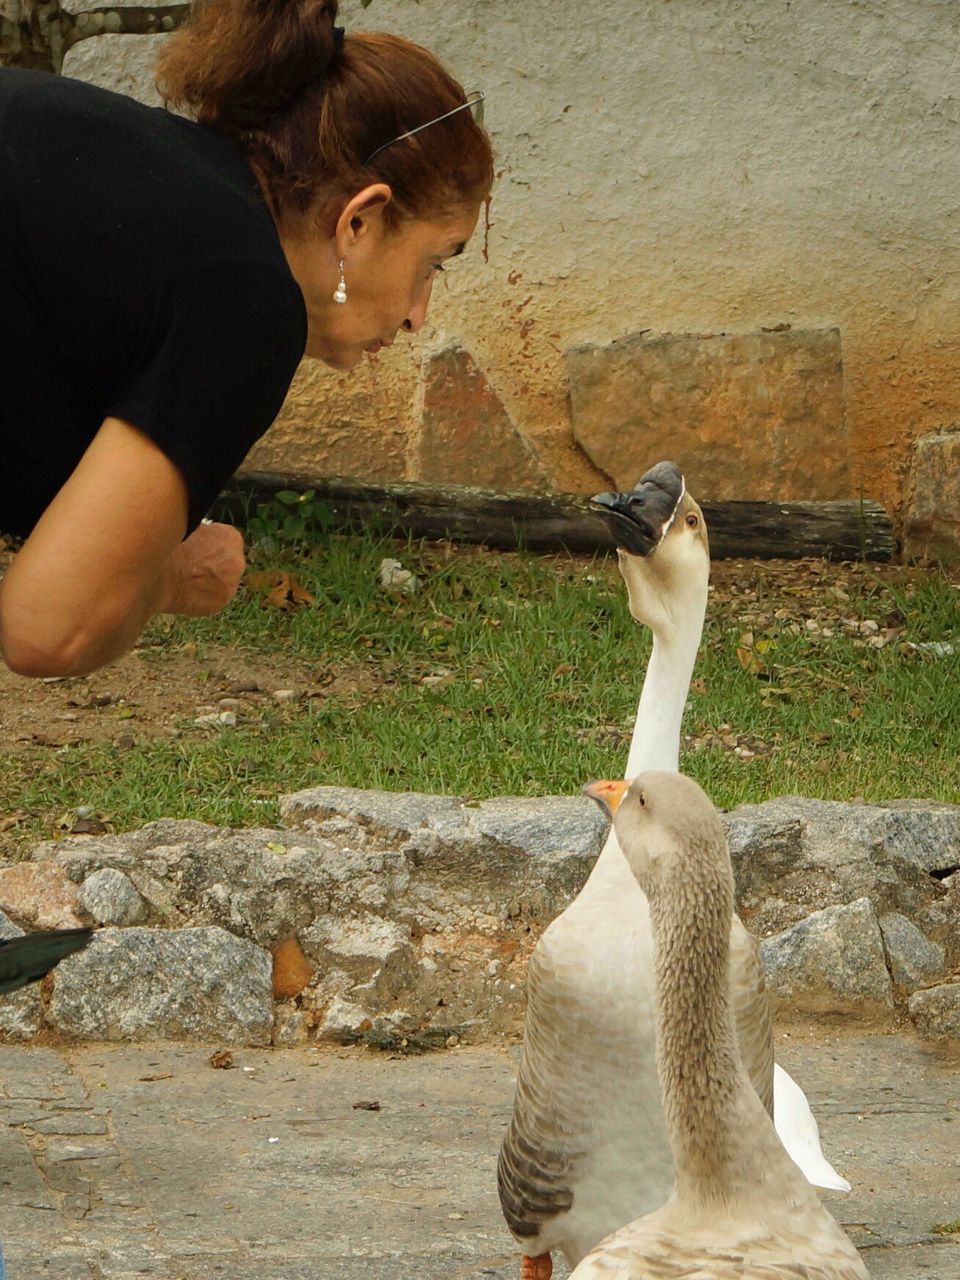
519,674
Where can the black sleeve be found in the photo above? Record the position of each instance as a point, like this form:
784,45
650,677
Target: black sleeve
221,355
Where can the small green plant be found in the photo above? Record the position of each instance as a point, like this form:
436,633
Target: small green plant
948,1228
289,519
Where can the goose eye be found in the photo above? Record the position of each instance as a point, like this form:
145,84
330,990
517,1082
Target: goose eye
693,520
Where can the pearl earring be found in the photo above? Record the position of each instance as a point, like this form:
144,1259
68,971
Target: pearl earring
341,292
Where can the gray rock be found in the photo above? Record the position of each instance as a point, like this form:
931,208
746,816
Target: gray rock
20,1016
400,901
936,1012
543,824
390,815
289,1026
110,897
804,853
832,962
342,1022
165,984
911,958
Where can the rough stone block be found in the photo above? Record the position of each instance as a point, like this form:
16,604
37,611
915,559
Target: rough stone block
165,984
39,893
931,523
936,1012
730,409
830,963
466,435
19,1011
911,958
791,855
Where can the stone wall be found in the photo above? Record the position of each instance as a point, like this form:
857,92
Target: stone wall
407,919
756,197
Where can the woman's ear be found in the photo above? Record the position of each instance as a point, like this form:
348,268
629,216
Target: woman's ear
362,217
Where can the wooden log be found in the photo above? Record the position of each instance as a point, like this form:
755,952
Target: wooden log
853,530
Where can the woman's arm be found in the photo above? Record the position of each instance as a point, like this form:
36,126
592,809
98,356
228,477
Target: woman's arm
107,555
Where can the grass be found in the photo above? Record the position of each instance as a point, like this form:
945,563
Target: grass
534,667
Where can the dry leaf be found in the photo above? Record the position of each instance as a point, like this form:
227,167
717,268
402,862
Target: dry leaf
222,1059
161,1075
282,590
372,1105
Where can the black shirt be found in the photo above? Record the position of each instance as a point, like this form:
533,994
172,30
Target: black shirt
141,277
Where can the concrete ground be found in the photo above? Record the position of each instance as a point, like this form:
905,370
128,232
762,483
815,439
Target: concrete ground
127,1161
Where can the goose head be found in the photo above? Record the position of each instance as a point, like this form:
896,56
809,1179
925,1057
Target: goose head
666,826
662,548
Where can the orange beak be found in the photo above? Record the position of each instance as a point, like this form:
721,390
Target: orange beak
607,794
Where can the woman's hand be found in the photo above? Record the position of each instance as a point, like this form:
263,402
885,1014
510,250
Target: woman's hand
204,571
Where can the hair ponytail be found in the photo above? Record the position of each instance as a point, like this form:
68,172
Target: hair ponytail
309,109
235,63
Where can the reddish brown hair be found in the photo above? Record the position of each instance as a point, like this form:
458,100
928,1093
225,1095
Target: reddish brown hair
308,112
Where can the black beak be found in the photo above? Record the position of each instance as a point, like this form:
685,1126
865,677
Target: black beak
639,519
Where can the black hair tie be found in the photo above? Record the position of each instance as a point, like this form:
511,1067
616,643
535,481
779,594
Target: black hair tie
338,34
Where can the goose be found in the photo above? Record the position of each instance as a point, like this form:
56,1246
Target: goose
586,1149
739,1205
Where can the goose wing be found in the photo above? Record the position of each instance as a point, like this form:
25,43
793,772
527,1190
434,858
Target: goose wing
536,1165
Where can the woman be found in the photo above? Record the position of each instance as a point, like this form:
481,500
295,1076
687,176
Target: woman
161,278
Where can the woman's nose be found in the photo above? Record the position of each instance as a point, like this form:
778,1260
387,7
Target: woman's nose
417,315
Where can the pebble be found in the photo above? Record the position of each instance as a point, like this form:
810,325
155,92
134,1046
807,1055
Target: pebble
284,695
230,704
111,898
393,577
217,719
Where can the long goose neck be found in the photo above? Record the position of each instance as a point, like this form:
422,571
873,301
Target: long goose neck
701,1076
655,743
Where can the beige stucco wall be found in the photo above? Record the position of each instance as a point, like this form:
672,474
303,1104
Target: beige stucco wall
677,166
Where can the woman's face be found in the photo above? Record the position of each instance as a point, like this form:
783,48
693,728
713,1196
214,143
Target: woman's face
388,275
